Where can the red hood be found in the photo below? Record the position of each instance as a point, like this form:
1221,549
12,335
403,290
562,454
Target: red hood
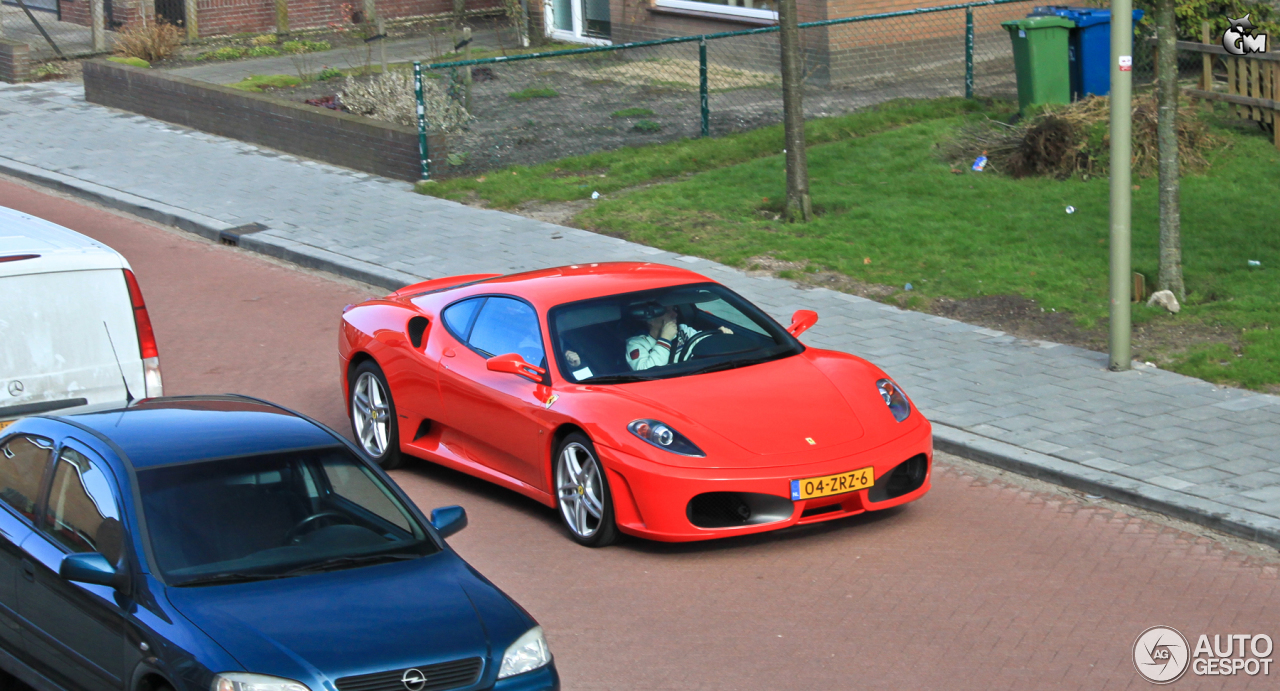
766,409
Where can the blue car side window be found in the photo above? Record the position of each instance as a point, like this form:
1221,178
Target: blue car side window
460,315
508,326
81,513
22,464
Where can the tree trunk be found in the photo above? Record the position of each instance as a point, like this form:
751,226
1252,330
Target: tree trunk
798,205
1167,138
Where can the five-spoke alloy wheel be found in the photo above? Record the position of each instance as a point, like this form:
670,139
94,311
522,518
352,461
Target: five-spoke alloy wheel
582,493
373,416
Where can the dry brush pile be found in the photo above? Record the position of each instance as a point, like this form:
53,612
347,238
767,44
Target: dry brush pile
1062,141
390,97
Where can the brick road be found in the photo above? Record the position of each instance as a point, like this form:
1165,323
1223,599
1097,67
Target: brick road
1147,437
983,584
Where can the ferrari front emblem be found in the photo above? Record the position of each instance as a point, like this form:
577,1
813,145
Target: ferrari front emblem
582,490
552,399
811,441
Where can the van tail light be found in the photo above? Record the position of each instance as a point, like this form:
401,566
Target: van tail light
146,338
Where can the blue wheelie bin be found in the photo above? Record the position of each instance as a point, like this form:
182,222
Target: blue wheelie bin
1089,47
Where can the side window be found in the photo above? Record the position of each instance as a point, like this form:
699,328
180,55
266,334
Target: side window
459,316
82,513
22,464
351,482
508,326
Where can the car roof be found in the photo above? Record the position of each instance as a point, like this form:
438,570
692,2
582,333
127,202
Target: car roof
162,431
56,248
546,288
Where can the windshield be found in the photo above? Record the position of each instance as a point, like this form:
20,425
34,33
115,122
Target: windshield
276,515
669,332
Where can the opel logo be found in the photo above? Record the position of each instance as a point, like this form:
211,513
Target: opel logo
413,679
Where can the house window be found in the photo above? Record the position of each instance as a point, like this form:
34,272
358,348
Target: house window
759,9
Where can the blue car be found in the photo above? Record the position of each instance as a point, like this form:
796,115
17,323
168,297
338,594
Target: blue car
221,543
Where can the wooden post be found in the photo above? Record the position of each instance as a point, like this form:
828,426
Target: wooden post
382,44
1231,84
193,30
466,71
1254,89
282,17
97,19
1206,79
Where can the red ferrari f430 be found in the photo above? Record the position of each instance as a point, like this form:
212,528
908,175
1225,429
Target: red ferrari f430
634,398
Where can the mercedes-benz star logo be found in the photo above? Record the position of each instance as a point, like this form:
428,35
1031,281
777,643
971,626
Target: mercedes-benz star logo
15,387
413,679
1161,654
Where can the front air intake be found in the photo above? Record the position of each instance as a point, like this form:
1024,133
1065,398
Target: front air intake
734,509
905,478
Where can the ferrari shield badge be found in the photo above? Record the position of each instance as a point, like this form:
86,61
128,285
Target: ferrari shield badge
551,400
811,441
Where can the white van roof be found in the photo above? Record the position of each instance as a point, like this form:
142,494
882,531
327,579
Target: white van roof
57,248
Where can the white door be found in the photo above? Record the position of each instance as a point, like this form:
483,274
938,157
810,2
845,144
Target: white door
579,21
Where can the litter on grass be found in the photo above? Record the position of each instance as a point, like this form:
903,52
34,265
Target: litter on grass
1071,209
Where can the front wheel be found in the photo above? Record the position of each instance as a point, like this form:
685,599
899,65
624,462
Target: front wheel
582,493
373,416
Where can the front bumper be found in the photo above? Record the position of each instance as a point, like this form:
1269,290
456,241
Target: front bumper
652,501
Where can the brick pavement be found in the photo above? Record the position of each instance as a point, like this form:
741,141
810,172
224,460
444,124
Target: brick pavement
1146,437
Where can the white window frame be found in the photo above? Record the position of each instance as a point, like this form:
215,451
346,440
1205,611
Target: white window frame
574,36
712,8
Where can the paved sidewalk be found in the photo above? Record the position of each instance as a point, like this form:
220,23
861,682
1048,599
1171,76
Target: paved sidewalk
1146,437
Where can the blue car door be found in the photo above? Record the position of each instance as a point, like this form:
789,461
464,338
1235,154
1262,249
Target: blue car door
23,461
75,631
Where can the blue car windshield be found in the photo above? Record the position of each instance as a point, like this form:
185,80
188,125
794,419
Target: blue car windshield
273,516
657,334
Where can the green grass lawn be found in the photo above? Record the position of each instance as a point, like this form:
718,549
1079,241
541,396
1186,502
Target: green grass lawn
260,82
884,195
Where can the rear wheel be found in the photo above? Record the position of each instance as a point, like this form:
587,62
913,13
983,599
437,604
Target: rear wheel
582,493
373,416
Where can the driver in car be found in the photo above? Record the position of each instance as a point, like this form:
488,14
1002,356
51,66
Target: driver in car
664,338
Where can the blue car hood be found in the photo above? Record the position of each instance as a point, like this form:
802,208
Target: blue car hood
349,622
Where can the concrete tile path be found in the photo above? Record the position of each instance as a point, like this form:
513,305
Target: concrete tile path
1147,437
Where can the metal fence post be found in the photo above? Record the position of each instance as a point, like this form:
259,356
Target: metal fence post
702,86
424,154
968,52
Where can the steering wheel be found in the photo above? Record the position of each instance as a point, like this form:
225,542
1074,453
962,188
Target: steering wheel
293,535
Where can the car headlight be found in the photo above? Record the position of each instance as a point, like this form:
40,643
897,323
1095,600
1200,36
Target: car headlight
243,681
664,437
894,398
528,653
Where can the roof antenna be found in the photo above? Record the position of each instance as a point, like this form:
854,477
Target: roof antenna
128,394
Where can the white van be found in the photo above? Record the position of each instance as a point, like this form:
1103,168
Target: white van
74,330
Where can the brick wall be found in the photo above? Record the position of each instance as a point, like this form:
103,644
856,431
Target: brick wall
14,66
122,11
222,17
324,135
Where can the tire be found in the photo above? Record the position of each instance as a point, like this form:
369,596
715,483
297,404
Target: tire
373,416
583,500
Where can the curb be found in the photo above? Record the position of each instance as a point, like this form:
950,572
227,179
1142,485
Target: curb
1221,517
1206,512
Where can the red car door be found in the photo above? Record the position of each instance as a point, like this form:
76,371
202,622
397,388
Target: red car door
497,417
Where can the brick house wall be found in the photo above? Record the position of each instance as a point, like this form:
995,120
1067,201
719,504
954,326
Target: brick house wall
122,11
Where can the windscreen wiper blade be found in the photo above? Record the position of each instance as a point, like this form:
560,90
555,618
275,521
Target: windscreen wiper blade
731,364
616,379
222,578
345,562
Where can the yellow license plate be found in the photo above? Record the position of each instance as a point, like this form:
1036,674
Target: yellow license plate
6,423
828,485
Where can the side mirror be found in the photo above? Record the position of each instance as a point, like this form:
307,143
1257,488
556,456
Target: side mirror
513,363
88,567
448,520
802,321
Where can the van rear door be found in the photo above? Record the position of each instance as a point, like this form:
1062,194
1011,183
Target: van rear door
67,338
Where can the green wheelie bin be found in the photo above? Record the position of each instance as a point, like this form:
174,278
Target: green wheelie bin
1040,59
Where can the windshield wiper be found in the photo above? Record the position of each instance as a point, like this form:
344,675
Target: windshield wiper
345,562
617,379
731,364
232,577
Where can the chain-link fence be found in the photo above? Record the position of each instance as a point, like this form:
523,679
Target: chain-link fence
62,29
534,108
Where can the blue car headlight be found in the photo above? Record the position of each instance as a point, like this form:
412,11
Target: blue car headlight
528,653
664,437
894,398
243,681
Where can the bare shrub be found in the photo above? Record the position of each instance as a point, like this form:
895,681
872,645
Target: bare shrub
390,97
150,41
